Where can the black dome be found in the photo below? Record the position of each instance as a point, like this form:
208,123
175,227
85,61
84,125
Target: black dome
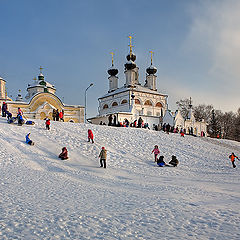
151,70
133,57
130,65
112,71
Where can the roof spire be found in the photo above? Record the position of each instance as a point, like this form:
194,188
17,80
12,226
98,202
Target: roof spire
41,68
151,55
130,45
190,103
112,57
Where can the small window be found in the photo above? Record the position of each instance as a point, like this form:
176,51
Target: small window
114,104
105,106
124,101
137,101
159,104
148,103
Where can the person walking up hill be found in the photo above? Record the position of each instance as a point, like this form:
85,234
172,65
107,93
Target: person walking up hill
232,157
156,151
103,157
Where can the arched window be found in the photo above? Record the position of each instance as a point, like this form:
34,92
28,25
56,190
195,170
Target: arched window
158,104
148,102
105,106
114,104
124,101
137,101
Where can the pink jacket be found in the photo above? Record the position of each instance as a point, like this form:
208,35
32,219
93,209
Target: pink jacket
156,151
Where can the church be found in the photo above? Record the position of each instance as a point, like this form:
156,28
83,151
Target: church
189,124
132,100
41,100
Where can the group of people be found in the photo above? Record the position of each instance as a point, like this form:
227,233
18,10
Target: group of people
58,116
103,154
174,162
160,162
10,118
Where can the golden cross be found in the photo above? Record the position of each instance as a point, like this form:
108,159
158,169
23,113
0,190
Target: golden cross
34,78
41,69
112,57
130,45
151,56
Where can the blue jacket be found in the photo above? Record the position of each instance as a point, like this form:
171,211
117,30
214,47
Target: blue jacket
27,138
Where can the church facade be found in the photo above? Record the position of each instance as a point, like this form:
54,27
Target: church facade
133,100
191,126
41,101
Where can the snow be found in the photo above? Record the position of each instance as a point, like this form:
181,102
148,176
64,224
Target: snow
42,197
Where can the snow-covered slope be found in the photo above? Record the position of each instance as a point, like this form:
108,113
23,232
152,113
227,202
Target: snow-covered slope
42,197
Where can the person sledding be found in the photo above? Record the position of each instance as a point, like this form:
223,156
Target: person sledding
232,158
20,120
47,123
174,162
103,157
64,154
160,161
156,151
90,135
28,140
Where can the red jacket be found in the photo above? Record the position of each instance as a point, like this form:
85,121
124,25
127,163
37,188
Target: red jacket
48,122
61,115
90,134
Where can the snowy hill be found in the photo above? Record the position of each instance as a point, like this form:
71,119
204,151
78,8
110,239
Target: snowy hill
42,197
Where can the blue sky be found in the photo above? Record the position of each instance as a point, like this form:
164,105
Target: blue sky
196,47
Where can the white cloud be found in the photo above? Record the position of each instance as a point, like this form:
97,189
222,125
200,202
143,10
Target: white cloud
214,37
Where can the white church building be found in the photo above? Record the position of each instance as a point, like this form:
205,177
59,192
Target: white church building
132,100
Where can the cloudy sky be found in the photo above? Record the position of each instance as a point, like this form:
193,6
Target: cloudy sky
196,45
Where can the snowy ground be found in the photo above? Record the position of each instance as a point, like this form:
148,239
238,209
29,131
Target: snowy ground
42,197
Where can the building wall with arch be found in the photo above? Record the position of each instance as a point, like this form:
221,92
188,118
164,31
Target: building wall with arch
41,106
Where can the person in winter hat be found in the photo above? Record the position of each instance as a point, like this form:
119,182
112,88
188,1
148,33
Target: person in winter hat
90,135
64,154
20,111
47,123
20,119
156,151
160,161
4,109
61,116
103,157
174,162
28,140
232,157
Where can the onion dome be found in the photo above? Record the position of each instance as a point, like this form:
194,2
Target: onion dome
112,71
130,65
40,77
151,70
132,57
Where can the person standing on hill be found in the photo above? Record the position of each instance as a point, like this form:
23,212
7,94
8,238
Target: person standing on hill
90,135
103,157
61,116
4,109
232,157
57,115
47,123
156,151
